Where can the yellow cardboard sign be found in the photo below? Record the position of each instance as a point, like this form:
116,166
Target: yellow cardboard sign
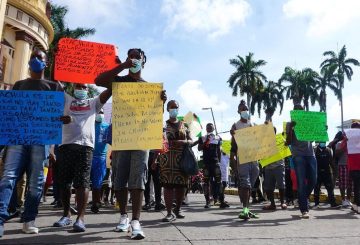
255,143
283,151
137,121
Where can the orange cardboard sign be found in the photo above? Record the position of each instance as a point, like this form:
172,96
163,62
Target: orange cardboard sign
81,61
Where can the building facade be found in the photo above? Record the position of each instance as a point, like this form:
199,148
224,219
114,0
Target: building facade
25,26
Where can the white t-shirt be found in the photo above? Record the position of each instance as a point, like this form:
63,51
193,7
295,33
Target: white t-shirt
224,167
81,130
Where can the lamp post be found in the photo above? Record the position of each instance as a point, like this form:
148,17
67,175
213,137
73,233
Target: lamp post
212,113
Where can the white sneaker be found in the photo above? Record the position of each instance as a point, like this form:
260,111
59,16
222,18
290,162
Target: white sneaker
346,203
305,215
296,203
137,233
30,228
355,208
123,224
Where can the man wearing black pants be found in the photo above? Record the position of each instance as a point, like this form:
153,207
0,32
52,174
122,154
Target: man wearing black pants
154,173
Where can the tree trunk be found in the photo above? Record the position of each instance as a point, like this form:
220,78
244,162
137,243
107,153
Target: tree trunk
342,110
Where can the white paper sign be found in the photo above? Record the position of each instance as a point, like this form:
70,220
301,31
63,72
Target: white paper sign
353,144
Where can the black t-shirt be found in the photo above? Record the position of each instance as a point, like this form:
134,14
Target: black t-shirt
127,78
211,147
37,85
323,158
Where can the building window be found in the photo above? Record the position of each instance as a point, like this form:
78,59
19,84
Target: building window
7,10
31,22
19,15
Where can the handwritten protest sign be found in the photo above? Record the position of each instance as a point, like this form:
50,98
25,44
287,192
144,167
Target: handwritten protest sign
255,143
30,117
353,143
310,125
137,116
283,151
81,62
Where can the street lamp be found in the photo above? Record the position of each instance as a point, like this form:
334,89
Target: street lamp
210,108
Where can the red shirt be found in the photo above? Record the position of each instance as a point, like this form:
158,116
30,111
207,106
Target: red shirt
354,162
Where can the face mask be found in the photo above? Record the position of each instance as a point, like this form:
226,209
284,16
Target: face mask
80,94
99,118
137,67
244,114
322,145
173,113
37,65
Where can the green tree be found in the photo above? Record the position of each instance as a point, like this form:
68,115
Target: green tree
342,66
62,30
269,98
301,85
248,78
327,79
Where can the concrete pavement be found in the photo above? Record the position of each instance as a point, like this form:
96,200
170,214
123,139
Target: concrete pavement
201,226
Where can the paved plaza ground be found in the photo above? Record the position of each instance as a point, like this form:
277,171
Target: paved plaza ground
201,226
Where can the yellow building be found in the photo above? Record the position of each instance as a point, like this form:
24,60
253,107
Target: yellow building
24,26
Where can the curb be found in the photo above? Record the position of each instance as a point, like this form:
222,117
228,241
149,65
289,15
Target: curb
323,197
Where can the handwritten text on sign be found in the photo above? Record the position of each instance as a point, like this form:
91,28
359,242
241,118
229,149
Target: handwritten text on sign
81,62
30,117
353,143
283,151
255,143
310,125
137,116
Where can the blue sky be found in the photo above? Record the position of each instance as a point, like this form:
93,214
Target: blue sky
188,44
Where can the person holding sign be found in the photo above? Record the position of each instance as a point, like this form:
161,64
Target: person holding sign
247,172
76,151
305,165
134,161
274,174
325,169
210,144
27,157
172,178
353,147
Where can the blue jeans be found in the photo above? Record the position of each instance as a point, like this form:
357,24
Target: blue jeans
20,158
306,171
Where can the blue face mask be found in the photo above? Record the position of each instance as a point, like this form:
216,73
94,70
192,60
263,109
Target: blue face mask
37,65
137,67
80,94
245,115
173,113
322,145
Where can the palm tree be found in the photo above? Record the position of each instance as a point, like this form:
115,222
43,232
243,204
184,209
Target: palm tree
328,79
247,78
342,67
61,30
301,87
270,97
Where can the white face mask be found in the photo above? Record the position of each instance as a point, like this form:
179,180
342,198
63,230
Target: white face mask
137,67
244,115
99,117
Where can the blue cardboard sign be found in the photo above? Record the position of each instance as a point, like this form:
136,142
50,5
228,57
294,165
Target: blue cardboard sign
30,117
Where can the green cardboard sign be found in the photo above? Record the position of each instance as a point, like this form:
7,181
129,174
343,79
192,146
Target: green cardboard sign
310,125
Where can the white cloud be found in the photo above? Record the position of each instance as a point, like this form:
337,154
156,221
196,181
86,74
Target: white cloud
325,16
211,17
195,97
89,13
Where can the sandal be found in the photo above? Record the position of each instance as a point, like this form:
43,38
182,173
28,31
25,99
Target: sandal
269,207
169,218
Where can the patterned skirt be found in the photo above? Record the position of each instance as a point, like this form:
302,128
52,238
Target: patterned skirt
170,172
